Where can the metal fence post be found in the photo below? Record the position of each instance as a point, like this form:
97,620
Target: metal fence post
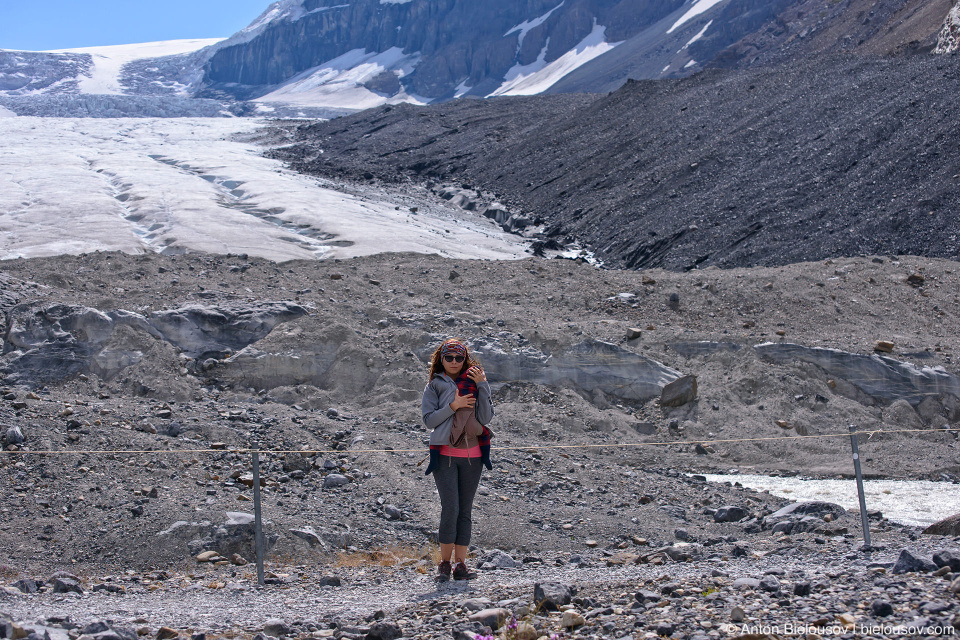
863,503
258,522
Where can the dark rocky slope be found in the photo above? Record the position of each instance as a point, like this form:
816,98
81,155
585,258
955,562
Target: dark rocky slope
829,157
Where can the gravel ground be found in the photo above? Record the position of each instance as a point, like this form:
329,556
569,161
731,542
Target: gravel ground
805,580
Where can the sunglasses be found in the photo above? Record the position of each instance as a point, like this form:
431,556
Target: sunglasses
453,358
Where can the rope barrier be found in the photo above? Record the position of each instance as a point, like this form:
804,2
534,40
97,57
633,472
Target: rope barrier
504,448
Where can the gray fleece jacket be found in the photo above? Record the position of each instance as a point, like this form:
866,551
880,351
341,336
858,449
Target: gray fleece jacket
438,415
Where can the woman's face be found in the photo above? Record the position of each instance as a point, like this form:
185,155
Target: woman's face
452,364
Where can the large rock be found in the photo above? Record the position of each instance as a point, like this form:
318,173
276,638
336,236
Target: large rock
948,41
384,630
499,559
730,513
108,631
493,618
589,366
276,627
803,516
947,527
236,535
66,585
911,562
882,378
679,392
13,435
55,342
204,332
552,595
948,558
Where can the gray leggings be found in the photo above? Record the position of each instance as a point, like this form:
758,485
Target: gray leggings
457,481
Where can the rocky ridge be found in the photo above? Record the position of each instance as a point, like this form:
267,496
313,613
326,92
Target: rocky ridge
822,158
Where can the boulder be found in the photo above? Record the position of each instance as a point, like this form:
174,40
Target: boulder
276,628
798,510
384,630
910,562
879,377
588,367
552,595
308,534
204,332
948,558
493,618
66,585
746,583
683,551
681,391
770,583
49,343
498,559
948,40
572,619
335,480
947,527
109,631
27,585
13,435
476,604
730,513
296,462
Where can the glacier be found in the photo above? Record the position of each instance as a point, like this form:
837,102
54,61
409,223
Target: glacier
173,186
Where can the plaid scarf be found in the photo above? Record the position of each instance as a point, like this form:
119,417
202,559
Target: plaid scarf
466,386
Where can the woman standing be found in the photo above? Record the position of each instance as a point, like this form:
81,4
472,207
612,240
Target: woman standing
456,405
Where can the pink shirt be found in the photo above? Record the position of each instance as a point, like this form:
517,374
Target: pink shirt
453,452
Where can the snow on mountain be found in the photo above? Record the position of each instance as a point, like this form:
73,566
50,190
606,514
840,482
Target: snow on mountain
526,80
524,27
340,82
699,6
348,55
370,52
104,76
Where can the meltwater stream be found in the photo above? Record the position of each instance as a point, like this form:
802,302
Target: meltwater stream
910,502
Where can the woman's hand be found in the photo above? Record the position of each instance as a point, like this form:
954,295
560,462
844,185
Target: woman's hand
476,374
463,402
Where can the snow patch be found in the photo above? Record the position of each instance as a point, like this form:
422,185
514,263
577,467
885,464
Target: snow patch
697,37
6,113
538,76
395,1
690,64
282,10
699,6
527,25
461,90
339,82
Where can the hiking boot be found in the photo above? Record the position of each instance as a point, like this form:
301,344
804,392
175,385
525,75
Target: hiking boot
443,571
460,572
